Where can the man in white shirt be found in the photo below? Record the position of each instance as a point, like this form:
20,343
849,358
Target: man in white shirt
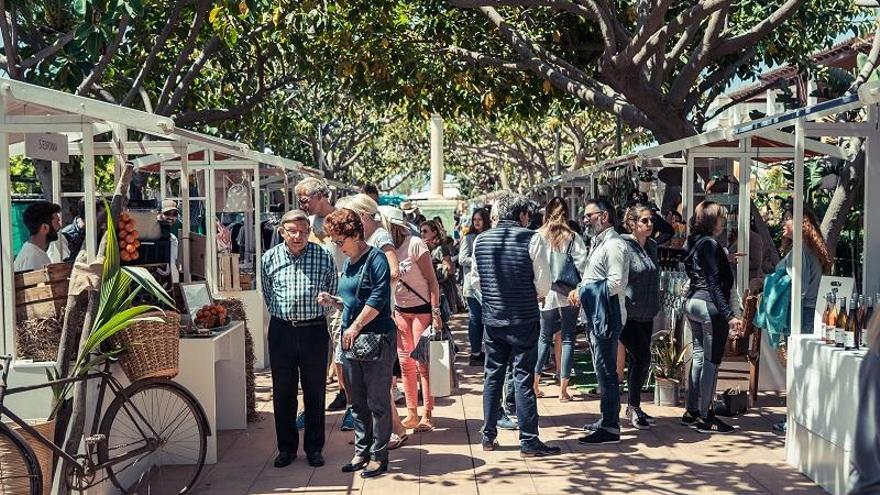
43,221
512,267
609,262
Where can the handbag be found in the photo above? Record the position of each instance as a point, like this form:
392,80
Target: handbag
366,346
563,270
732,402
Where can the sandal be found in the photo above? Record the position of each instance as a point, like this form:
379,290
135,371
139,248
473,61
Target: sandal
425,425
410,422
397,441
539,394
565,398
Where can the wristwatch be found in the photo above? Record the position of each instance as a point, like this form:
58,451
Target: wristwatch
435,311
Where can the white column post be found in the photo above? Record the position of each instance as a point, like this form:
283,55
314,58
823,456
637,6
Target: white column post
211,224
687,190
258,231
871,220
184,210
56,182
437,171
88,148
797,230
745,221
8,312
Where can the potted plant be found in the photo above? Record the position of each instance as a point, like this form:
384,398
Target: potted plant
604,188
667,364
646,179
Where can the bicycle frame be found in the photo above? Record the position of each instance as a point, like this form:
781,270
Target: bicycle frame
107,379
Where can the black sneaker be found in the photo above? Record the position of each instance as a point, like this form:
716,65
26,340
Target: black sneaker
600,437
642,414
539,449
338,403
637,419
713,425
689,418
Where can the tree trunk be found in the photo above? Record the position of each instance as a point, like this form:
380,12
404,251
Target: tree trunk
848,187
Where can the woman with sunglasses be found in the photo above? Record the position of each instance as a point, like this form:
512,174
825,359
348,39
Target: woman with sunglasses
642,304
365,300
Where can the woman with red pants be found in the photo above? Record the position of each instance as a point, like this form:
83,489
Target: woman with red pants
417,306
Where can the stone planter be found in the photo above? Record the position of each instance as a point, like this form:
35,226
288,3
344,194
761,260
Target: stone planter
645,186
666,392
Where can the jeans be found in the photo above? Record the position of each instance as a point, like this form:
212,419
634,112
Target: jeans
605,364
509,406
475,325
410,327
298,354
517,345
636,337
367,383
551,321
709,331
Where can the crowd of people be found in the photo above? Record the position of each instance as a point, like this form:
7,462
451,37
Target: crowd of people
368,282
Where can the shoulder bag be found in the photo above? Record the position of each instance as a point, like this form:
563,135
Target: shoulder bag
367,346
566,276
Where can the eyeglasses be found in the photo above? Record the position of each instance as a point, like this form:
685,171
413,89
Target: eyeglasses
646,220
339,242
291,233
304,200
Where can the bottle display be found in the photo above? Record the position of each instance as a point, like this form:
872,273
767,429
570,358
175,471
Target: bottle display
840,324
850,340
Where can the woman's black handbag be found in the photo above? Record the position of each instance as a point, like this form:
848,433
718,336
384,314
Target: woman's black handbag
564,271
366,346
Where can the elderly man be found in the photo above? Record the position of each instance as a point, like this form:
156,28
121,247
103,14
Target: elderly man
605,279
513,272
294,273
314,198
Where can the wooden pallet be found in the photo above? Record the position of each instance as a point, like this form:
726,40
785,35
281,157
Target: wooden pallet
50,273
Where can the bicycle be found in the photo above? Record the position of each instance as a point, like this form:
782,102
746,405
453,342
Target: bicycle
151,438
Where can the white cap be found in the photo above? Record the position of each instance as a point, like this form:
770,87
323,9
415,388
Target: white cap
394,215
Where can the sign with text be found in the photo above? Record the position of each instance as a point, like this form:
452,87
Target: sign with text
840,286
47,146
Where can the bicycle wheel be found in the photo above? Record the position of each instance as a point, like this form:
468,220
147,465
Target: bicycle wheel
19,469
164,419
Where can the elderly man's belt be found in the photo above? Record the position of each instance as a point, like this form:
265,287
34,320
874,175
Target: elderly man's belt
307,323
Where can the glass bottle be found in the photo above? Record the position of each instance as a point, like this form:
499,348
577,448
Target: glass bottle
850,341
840,326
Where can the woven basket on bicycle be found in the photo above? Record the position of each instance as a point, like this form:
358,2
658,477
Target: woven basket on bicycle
14,476
150,349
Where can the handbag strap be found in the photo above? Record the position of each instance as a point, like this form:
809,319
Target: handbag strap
414,291
570,244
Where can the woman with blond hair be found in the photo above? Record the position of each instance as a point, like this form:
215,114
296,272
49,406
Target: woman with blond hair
557,313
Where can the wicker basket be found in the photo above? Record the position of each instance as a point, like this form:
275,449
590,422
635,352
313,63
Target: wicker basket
12,464
150,349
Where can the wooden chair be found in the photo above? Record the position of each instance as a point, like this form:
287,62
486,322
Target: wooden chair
753,334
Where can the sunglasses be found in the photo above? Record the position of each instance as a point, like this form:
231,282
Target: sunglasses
646,221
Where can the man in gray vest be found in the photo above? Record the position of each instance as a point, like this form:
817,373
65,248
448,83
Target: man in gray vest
512,267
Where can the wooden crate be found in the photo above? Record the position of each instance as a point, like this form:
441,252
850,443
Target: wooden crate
50,273
42,293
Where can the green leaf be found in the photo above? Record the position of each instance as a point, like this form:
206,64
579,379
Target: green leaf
215,12
144,279
118,322
79,6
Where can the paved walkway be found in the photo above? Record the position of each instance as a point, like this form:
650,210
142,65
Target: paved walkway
670,459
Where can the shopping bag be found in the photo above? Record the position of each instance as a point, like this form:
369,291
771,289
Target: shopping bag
440,368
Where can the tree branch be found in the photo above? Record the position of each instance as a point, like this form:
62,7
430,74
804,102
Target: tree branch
659,39
652,23
750,37
211,47
150,62
188,47
106,57
698,60
870,63
715,79
9,47
50,51
214,115
480,59
671,60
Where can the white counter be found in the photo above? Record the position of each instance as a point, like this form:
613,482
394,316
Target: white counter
822,406
258,322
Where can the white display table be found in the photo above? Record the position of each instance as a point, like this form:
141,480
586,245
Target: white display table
213,370
822,408
258,322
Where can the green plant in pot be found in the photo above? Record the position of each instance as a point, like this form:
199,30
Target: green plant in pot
604,187
646,179
120,285
667,365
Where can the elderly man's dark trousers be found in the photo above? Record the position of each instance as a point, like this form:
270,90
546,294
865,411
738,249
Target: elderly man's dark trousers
298,353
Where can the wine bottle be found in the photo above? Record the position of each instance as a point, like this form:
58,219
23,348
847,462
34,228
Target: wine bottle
830,319
850,341
840,325
826,317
